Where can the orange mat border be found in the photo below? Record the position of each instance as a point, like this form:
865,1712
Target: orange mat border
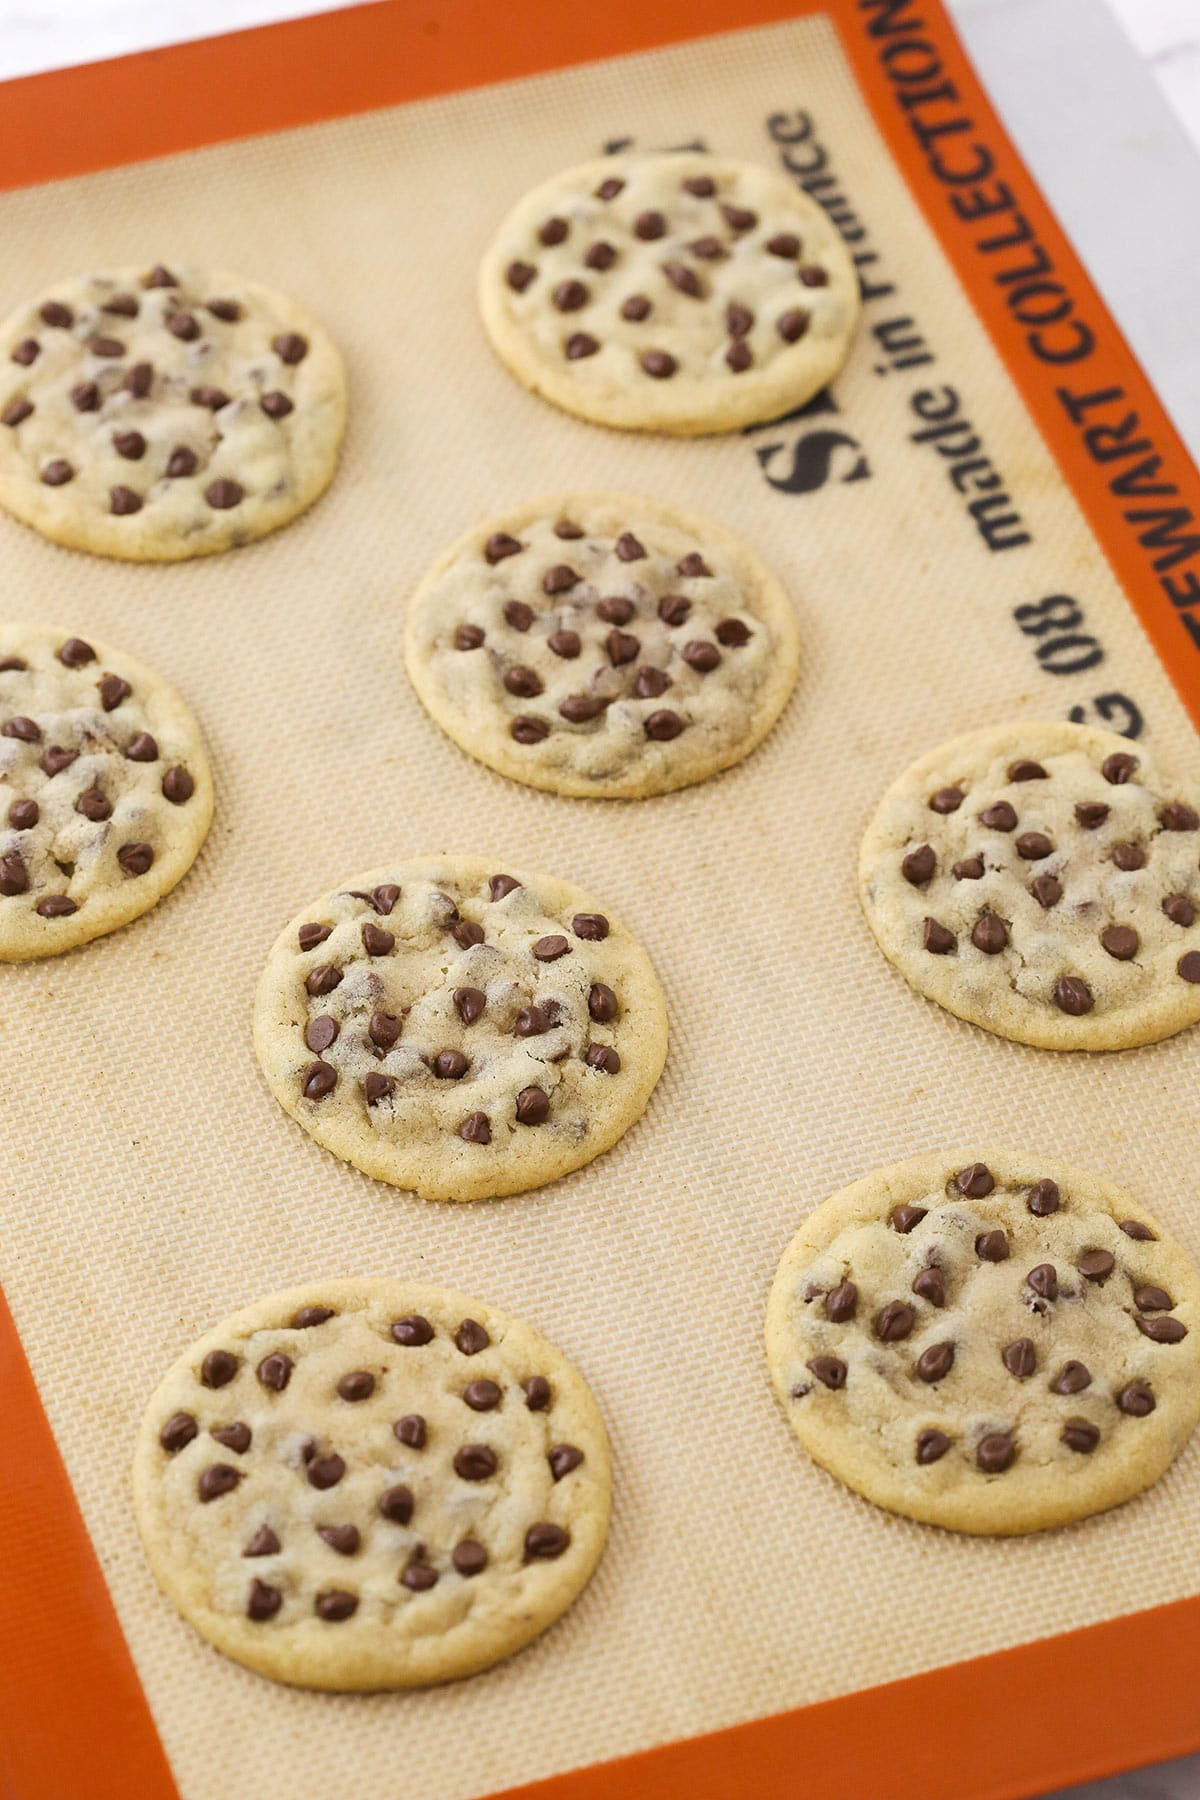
73,1718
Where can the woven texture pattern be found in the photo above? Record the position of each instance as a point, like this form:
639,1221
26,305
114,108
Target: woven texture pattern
155,1187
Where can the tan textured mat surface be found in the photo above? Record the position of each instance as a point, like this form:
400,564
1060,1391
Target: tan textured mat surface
152,1184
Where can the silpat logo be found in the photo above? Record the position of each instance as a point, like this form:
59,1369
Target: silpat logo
816,457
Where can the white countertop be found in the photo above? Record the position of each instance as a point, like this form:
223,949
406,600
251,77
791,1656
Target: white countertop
1102,98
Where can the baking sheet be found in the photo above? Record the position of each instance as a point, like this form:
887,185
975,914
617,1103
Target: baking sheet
153,1184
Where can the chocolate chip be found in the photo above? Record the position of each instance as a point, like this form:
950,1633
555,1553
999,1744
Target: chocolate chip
692,566
317,1080
16,412
615,609
1178,817
160,277
1091,813
553,231
224,493
323,979
592,927
482,1395
622,647
684,280
377,941
830,1371
537,1393
1118,767
217,1479
344,1539
733,634
549,949
469,1003
650,683
894,1321
930,1284
1152,1299
673,609
1072,1378
56,906
936,1362
566,644
932,1446
1179,909
58,472
1044,1281
22,814
236,1437
739,356
26,352
469,1557
383,1029
976,1181
1133,1228
600,1056
813,276
1073,995
919,865
450,1065
326,1471
475,1462
136,859
1137,1399
1121,942
946,800
412,1432
739,320
544,1542
904,1218
1096,1265
113,689
996,1452
227,310
992,1246
659,363
56,314
22,728
377,1088
334,1605
14,877
264,1601
989,934
1129,856
185,326
702,186
263,1543
600,255
276,405
138,382
1025,770
567,528
603,1006
841,1302
1020,1358
275,1371
1033,846
1079,1435
211,398
531,1021
10,663
178,1432
1000,817
1162,1328
579,345
358,1384
181,462
784,243
219,1368
936,939
1043,1198
519,275
1046,890
792,324
533,1106
636,308
739,218
663,726
569,296
413,1330
558,580
650,225
563,1458
56,757
1188,966
471,1337
701,656
308,1316
969,869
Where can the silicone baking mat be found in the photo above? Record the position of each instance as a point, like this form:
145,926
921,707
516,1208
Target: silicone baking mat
988,515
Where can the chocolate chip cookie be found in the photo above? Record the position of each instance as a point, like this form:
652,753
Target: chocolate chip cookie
1042,880
105,790
602,645
372,1484
459,1029
683,293
156,414
988,1342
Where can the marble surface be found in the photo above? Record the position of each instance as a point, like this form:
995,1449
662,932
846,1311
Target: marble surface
1101,96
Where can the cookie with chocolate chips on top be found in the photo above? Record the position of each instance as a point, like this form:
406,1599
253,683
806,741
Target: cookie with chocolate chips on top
460,1029
372,1484
156,414
987,1341
684,293
602,645
1042,880
105,790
